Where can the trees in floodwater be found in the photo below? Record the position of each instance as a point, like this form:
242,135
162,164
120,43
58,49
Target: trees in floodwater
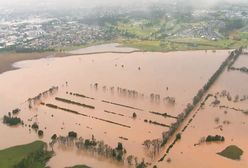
35,126
96,147
170,100
152,147
141,165
54,137
72,134
226,64
216,138
134,115
40,133
16,111
155,97
38,99
178,136
11,121
130,159
96,85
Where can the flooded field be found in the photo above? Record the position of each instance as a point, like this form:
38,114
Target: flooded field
225,114
242,61
125,98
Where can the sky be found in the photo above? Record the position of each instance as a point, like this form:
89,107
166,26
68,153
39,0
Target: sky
89,3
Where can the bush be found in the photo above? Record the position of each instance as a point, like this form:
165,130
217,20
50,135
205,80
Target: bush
178,136
35,126
119,146
54,137
72,134
15,111
11,121
141,165
40,133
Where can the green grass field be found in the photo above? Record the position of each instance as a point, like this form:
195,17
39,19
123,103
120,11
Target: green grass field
183,44
29,156
232,152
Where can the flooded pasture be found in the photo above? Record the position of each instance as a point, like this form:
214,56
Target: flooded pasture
228,118
117,86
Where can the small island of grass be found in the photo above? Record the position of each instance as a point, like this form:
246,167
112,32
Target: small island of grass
231,152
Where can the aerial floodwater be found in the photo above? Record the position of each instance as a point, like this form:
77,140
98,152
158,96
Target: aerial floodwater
131,98
124,84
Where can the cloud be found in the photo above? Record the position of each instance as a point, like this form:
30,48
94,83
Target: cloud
90,3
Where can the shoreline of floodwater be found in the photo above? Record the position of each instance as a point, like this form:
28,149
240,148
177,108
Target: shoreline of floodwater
7,64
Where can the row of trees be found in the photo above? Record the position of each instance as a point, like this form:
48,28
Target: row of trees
156,123
37,99
236,54
152,147
243,69
216,138
156,98
129,92
237,98
170,100
35,127
96,148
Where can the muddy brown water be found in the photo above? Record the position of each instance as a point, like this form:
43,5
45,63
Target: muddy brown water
185,154
184,73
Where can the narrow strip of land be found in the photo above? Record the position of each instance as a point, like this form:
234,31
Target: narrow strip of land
74,102
162,114
110,112
122,105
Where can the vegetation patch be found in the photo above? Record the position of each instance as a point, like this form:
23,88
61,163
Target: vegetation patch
25,156
11,121
72,134
16,111
216,138
231,152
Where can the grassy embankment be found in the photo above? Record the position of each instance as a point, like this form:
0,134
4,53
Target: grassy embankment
31,155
